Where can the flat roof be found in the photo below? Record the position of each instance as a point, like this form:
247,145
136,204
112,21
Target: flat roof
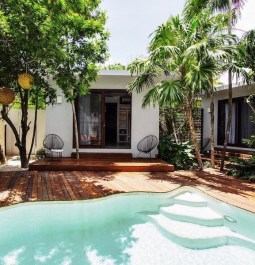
114,72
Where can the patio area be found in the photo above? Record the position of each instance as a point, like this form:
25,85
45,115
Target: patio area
28,186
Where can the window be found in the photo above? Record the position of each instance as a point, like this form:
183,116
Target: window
242,126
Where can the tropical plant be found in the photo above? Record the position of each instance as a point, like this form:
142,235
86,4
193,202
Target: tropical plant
181,155
26,39
57,39
248,42
215,50
40,153
183,60
232,9
242,168
83,46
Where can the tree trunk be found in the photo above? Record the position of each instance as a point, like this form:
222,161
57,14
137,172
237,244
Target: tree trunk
34,129
229,95
168,118
20,143
174,128
212,128
75,131
193,136
2,156
24,129
229,121
23,157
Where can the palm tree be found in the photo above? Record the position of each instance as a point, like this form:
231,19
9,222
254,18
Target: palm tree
247,51
214,49
232,8
176,48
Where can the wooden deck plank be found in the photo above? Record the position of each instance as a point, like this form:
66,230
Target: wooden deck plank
5,182
45,196
40,187
43,186
57,192
89,190
16,193
61,191
76,185
34,188
69,188
29,190
25,181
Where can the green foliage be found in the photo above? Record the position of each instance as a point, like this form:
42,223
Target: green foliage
81,45
179,155
62,39
251,102
194,49
25,44
250,142
40,154
242,168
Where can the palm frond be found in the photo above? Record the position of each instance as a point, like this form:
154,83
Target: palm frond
142,81
164,93
164,53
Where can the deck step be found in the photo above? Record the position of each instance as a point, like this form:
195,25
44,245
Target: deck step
189,199
107,164
104,155
197,215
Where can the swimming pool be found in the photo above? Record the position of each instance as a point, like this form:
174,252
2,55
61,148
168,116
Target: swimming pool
184,226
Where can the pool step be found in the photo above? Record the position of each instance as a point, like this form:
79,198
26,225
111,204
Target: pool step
190,235
189,199
197,215
196,236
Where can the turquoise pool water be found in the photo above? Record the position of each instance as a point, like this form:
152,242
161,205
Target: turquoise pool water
181,227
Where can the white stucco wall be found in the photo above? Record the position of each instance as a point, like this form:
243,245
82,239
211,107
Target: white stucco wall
240,91
15,116
144,122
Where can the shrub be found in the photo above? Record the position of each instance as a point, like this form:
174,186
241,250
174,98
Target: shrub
180,155
242,168
40,153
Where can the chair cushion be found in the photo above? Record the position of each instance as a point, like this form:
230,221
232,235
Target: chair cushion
57,150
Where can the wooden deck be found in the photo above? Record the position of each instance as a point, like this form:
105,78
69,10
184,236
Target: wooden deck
17,187
108,163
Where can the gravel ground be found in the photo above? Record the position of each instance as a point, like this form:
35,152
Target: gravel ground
12,164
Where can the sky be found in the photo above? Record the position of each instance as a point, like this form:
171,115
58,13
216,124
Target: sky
130,22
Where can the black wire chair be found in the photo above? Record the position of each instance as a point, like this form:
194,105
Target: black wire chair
147,144
205,143
53,146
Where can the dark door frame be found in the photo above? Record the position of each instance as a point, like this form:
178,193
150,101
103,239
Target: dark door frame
103,93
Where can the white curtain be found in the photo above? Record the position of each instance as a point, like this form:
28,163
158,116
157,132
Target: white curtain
232,134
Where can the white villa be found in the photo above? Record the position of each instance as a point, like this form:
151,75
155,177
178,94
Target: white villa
110,120
242,125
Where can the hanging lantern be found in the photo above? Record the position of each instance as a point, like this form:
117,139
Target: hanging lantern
26,80
7,95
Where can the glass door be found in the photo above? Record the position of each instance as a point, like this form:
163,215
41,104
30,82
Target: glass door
104,120
89,115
